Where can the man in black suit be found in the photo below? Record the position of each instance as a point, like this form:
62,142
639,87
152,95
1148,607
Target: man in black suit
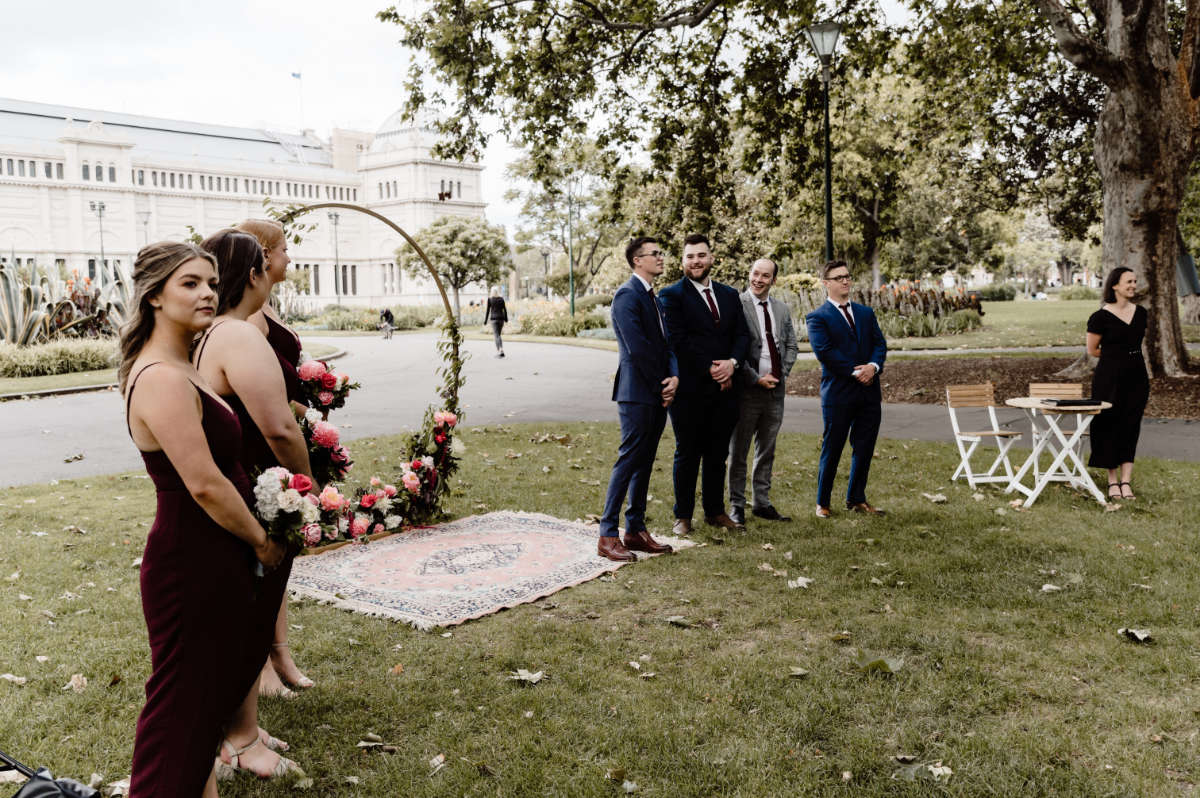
647,377
707,328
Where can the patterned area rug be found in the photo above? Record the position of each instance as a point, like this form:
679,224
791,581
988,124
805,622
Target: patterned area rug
450,573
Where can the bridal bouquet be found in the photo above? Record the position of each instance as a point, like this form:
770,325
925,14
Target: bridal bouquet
324,389
334,511
286,508
379,507
330,460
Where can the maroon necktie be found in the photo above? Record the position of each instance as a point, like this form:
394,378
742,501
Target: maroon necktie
658,312
846,312
712,306
776,364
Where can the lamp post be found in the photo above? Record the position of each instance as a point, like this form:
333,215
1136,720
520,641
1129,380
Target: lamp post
570,249
98,209
546,271
144,218
333,217
823,38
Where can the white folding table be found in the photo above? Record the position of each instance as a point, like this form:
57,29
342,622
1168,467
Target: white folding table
1067,465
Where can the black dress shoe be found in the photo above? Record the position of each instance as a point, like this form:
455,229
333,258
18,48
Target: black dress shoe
769,513
737,515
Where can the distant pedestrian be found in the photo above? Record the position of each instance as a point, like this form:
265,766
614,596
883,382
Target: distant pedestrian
387,323
1114,334
496,314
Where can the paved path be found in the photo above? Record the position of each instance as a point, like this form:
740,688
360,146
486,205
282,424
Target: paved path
536,382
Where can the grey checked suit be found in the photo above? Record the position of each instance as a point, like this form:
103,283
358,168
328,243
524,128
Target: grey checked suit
762,410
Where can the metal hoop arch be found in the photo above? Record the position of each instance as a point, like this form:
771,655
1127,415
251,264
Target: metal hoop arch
451,321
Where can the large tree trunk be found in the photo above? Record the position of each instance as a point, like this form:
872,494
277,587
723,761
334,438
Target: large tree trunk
1191,309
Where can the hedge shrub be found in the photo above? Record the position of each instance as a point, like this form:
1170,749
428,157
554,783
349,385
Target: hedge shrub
1079,292
998,292
560,323
64,356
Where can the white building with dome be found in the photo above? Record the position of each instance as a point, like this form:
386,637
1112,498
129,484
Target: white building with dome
74,182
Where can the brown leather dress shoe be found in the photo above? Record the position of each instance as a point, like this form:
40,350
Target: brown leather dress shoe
863,507
641,541
723,521
682,527
823,512
613,549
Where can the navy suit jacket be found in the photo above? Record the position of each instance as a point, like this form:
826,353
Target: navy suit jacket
698,339
645,355
840,350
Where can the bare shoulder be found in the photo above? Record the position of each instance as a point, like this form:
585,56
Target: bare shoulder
165,383
235,332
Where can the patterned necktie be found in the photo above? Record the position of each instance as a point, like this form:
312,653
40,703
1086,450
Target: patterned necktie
712,306
658,312
776,363
846,312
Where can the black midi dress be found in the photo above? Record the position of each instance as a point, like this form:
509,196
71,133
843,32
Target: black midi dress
1121,379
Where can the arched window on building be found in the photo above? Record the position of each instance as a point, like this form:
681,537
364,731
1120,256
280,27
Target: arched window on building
86,169
189,182
112,173
354,279
49,168
20,168
172,180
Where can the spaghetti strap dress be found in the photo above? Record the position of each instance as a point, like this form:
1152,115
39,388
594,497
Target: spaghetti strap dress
1120,378
257,457
197,581
287,349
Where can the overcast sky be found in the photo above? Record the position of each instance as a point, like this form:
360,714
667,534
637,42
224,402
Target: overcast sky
222,62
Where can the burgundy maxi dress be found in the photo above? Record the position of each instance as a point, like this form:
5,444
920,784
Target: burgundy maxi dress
197,582
287,349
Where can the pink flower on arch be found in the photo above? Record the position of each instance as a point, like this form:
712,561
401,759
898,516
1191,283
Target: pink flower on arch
358,527
368,501
312,534
412,483
389,491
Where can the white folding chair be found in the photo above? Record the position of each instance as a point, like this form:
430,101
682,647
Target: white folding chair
1051,390
981,395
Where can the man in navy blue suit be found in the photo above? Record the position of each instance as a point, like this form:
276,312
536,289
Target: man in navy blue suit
708,330
846,338
645,385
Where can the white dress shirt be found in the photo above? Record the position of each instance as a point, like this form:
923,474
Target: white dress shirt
846,321
764,356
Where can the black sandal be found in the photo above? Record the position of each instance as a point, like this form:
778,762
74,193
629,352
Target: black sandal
1130,497
1116,485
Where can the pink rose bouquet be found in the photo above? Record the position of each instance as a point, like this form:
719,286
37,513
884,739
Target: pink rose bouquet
324,389
381,505
330,460
285,507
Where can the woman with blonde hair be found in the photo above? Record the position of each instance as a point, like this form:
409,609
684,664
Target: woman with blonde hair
237,361
280,673
197,573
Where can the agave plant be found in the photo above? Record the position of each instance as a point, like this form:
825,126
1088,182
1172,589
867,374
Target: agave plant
22,309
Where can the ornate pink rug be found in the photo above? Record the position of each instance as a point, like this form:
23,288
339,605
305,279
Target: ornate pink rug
450,573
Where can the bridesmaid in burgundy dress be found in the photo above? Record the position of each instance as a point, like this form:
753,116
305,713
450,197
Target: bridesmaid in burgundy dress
242,368
197,570
281,671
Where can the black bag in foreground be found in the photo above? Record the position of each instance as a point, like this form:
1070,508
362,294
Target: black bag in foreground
43,785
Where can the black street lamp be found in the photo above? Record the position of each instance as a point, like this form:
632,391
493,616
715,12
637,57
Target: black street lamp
823,39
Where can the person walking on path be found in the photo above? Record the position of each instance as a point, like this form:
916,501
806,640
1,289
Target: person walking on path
645,385
496,315
769,360
1114,334
387,322
707,328
846,339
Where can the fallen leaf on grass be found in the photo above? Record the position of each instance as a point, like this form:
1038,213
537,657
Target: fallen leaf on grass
42,658
637,666
1137,635
796,672
840,637
397,669
615,774
875,580
629,786
680,621
118,788
869,663
12,777
305,783
437,763
17,680
647,675
24,597
923,771
905,759
768,547
978,497
526,677
137,563
447,634
799,581
1049,588
936,498
14,576
78,683
1143,587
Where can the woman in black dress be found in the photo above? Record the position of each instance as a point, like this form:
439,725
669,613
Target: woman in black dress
1114,334
496,315
280,674
196,577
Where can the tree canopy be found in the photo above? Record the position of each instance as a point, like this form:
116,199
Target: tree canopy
463,249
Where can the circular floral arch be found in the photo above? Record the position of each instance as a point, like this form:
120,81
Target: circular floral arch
450,348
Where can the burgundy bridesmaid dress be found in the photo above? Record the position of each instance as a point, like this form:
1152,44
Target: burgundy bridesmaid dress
287,349
197,582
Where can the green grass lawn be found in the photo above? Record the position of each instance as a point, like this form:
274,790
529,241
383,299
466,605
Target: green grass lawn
77,379
1018,691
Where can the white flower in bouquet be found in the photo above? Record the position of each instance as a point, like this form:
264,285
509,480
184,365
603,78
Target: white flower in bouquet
312,416
310,513
383,505
266,495
391,521
427,460
457,447
343,525
290,501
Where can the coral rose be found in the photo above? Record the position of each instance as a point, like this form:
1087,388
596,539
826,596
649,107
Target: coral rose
368,501
389,490
311,369
358,527
300,483
330,499
412,482
325,435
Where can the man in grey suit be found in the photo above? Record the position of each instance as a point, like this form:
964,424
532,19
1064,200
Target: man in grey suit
768,361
